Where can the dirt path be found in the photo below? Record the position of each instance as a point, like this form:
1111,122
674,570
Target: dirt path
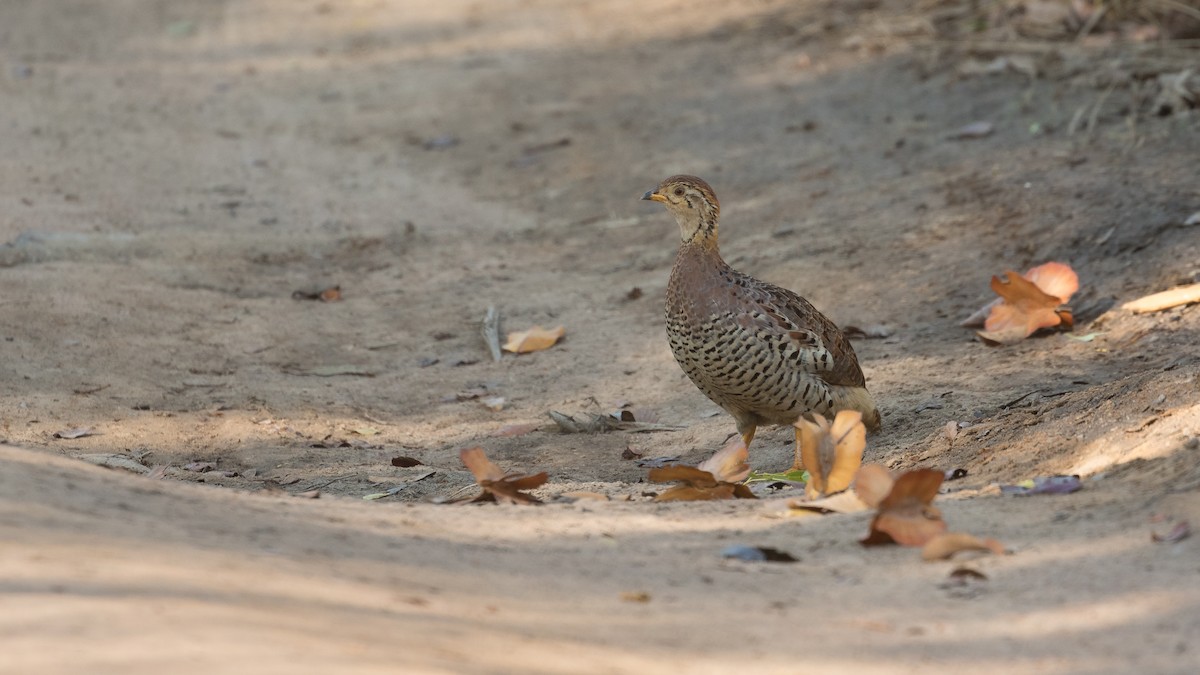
174,171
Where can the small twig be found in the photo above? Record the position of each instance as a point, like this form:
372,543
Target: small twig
491,331
91,390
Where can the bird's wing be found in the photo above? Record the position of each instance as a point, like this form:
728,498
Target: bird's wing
824,348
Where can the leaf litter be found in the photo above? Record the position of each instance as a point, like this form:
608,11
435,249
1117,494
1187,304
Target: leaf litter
76,432
498,486
1027,303
534,339
757,554
718,477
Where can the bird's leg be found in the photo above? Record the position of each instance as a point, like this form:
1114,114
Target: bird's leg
798,465
748,435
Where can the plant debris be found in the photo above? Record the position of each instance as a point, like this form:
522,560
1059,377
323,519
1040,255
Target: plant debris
1180,532
490,330
757,554
510,430
656,462
596,423
329,371
972,130
497,485
1027,304
1044,485
869,332
76,432
907,515
718,477
199,467
116,461
329,294
533,340
832,453
1183,295
405,462
945,545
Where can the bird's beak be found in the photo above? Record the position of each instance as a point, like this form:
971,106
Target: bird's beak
653,196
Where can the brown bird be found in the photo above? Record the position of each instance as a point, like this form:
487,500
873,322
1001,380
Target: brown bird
761,352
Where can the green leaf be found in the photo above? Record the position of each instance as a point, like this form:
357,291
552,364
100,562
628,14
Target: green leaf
800,476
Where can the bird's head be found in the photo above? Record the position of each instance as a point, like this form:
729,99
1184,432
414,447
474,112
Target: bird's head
693,204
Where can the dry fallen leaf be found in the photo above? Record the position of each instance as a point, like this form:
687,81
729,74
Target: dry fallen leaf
77,432
907,515
718,477
1180,532
533,340
328,294
872,484
1053,279
846,501
833,453
1030,303
945,545
510,430
497,485
757,554
1183,295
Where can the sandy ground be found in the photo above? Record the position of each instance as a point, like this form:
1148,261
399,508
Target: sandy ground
173,171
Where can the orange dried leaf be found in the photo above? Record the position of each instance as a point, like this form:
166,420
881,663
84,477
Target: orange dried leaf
692,493
833,453
498,486
1055,278
1026,309
687,474
907,515
533,340
477,462
945,545
717,477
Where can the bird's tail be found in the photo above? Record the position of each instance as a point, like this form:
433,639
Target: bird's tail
857,398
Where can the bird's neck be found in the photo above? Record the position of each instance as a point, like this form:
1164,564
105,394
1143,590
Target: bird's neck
698,230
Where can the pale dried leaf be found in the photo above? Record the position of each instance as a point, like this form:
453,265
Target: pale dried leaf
729,464
115,461
1184,295
950,431
945,545
76,432
510,430
1055,278
534,339
847,501
873,483
832,453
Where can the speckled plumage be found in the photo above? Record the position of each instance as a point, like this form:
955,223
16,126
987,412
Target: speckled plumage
761,352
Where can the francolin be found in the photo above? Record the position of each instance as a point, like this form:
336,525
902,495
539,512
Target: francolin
761,352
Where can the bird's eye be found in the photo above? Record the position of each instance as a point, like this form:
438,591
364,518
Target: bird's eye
678,192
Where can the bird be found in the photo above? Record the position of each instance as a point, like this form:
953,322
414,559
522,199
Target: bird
761,352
